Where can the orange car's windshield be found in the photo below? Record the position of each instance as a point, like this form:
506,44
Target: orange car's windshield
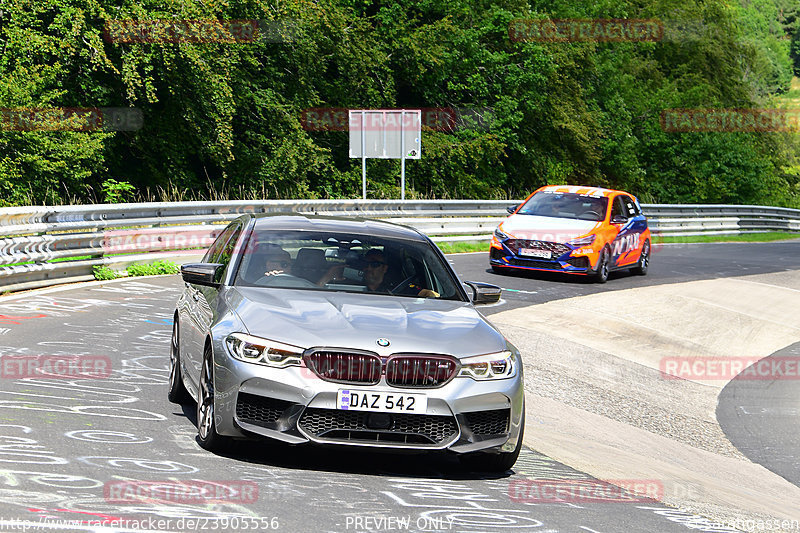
566,205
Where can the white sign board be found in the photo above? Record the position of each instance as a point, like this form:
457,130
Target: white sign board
385,134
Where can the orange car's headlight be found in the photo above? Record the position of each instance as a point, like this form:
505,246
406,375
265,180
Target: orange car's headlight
582,241
501,235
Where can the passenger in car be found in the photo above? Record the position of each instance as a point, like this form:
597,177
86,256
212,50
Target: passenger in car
556,207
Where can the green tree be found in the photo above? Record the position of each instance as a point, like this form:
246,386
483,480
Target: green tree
225,119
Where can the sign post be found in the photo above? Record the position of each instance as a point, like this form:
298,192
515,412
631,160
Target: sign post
363,159
402,157
385,134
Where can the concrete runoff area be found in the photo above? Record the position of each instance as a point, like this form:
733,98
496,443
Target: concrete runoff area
598,400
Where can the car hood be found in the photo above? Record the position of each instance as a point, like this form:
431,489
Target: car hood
551,229
309,318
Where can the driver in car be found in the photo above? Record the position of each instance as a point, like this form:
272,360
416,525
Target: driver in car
374,278
277,261
558,204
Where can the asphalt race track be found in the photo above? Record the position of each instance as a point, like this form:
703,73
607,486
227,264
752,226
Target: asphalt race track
762,418
670,263
68,445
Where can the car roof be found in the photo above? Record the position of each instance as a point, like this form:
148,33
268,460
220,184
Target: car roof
581,189
356,225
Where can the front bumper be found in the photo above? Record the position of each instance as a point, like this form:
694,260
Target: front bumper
293,405
570,259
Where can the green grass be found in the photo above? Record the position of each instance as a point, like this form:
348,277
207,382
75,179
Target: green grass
76,258
463,246
103,273
59,260
156,268
791,98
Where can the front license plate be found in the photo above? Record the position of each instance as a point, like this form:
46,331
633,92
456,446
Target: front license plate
386,402
536,252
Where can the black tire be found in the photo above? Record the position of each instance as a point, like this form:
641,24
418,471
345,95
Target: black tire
177,390
494,462
207,434
644,260
601,272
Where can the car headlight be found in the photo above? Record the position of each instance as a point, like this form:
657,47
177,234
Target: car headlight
498,365
582,241
500,235
263,351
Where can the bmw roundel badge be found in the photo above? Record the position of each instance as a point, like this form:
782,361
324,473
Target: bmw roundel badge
383,342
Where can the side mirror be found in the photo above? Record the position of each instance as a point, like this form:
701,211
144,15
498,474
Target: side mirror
512,208
618,219
202,273
484,293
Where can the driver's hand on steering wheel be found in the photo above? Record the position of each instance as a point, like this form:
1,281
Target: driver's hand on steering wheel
428,293
274,272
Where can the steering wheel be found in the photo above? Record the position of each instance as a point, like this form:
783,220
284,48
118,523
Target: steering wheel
401,284
594,214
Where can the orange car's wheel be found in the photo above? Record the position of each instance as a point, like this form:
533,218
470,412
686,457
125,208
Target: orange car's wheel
601,272
644,260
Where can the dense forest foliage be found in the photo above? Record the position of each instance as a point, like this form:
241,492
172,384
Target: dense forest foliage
226,119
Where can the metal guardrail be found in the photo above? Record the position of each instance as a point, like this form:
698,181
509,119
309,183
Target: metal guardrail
42,246
699,219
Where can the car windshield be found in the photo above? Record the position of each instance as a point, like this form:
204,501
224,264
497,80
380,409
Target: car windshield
345,262
566,205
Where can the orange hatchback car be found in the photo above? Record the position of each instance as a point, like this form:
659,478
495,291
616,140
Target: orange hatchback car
574,230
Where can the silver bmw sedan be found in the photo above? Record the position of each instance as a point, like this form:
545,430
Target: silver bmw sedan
342,331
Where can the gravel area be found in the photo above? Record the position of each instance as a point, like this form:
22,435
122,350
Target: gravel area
597,382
